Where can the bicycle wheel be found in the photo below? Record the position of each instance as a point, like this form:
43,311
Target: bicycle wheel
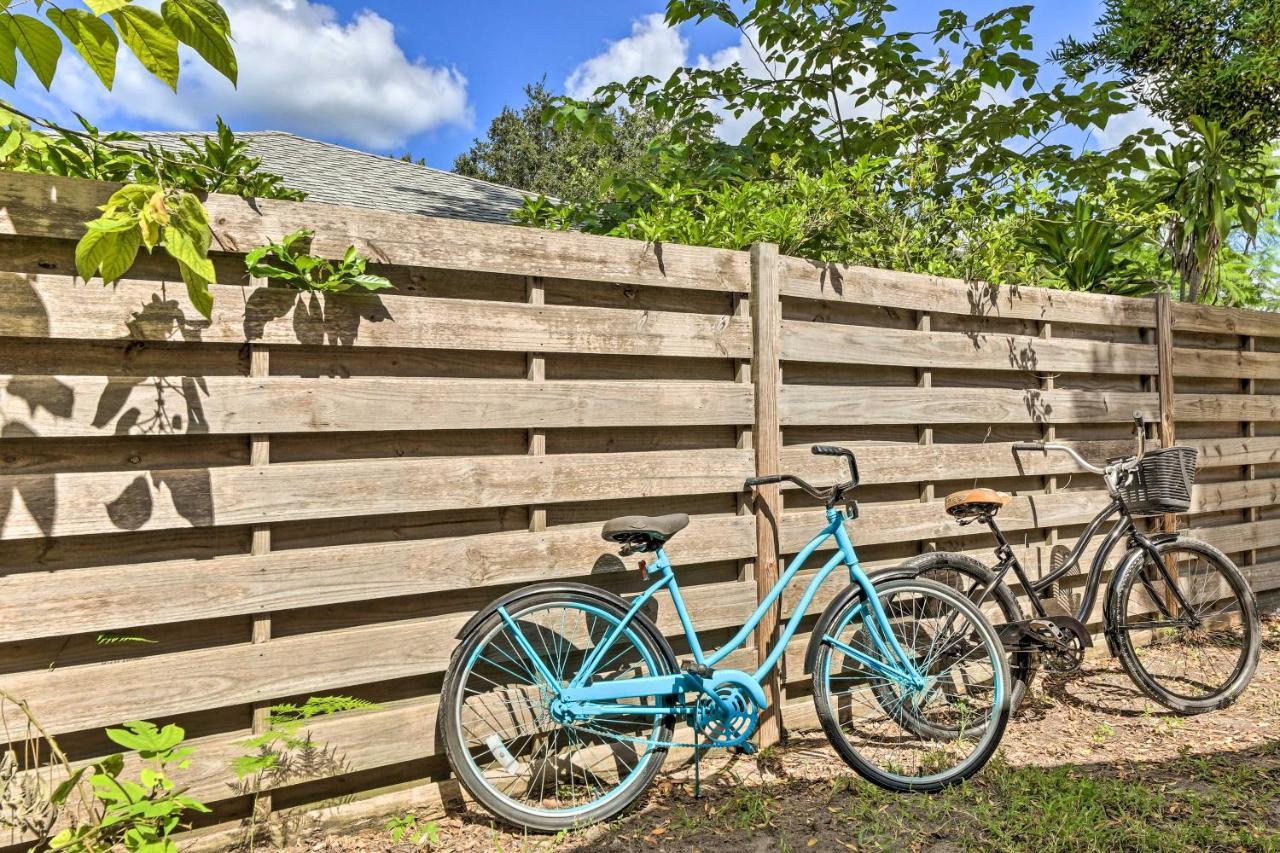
1191,655
526,765
965,574
909,739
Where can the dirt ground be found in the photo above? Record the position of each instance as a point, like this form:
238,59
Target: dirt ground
1089,764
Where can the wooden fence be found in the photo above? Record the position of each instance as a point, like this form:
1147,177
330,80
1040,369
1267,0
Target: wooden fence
308,495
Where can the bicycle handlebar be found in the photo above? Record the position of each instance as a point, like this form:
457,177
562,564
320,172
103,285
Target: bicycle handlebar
830,494
1139,422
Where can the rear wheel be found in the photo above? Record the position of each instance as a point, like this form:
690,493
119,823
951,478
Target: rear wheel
904,738
966,575
519,758
1192,652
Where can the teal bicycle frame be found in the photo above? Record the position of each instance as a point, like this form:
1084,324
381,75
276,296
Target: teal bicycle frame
581,698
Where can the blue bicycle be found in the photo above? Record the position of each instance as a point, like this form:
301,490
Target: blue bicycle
562,700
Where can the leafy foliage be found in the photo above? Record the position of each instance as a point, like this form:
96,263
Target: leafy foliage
148,215
522,150
925,151
1084,250
284,731
139,815
152,37
288,263
406,827
1212,192
1215,59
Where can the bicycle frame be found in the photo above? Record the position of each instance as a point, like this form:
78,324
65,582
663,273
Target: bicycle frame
584,698
1124,525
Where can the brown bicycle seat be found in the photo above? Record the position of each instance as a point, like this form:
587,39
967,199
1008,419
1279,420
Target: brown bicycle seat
971,502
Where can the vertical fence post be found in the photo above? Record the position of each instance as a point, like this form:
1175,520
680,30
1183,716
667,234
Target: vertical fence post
536,371
260,454
1164,383
766,377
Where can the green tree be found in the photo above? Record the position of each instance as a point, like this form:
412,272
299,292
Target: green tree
840,83
522,150
1216,59
1213,193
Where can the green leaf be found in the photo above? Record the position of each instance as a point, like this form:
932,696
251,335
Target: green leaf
110,251
197,289
189,21
180,245
8,56
370,282
92,38
12,140
60,794
150,40
102,7
38,44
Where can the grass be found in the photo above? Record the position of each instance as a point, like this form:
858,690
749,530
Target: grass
1201,803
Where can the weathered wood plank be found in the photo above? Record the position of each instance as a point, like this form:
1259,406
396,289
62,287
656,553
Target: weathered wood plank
115,597
1231,321
1237,494
804,279
844,405
96,695
79,406
766,376
63,308
899,463
1226,407
42,206
839,343
1191,361
110,502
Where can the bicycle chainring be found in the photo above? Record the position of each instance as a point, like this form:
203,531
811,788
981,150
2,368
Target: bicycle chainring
727,728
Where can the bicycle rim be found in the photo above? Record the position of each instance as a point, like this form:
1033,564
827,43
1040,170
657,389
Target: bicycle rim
1194,646
916,739
532,765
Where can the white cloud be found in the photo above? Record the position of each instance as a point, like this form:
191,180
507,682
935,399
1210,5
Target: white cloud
652,48
302,69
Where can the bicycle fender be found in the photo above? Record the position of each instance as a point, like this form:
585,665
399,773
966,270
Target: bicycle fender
1131,556
603,596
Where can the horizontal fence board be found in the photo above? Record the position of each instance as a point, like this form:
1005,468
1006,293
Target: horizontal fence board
42,206
906,463
804,279
1230,363
1226,407
819,405
113,597
1232,321
89,696
77,406
839,343
63,308
82,504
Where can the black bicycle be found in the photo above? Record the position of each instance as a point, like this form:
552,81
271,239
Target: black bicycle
1178,613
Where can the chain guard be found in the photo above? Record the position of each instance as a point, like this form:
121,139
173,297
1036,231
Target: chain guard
731,728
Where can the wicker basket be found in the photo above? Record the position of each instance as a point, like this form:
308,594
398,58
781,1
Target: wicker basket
1162,482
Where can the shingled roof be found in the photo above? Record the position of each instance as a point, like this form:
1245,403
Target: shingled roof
336,175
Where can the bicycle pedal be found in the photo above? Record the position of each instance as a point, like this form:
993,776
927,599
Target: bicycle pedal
695,668
747,748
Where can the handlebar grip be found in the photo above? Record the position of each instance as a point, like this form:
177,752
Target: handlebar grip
1029,445
828,450
752,482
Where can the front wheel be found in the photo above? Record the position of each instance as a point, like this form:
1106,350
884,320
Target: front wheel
515,753
906,737
1186,630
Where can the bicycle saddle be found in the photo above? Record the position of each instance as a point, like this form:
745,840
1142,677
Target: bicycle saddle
973,502
644,532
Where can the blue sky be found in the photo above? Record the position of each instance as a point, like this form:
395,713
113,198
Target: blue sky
427,77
